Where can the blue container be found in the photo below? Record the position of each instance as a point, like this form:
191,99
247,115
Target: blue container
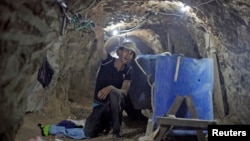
194,78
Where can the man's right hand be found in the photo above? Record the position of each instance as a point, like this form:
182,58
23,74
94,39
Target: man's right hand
103,93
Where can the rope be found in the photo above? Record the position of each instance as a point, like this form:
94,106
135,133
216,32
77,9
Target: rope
148,78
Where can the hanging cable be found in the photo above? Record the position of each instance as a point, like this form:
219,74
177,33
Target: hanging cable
145,18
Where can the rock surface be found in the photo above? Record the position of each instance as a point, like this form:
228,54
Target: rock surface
31,30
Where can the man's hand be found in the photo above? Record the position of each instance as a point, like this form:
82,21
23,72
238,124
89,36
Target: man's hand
103,93
125,87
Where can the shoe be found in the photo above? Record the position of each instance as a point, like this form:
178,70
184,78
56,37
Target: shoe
44,129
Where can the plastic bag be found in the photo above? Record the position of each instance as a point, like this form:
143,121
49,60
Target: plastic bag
45,73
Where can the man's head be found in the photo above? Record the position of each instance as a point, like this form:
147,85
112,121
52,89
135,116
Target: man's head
129,46
127,51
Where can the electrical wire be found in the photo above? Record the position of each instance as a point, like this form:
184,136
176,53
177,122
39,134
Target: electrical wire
134,28
205,3
149,13
169,14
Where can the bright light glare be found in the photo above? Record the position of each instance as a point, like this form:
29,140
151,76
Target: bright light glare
127,40
185,8
115,32
181,4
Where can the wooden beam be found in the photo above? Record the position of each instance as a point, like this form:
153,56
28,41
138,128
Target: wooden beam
191,107
217,96
185,122
162,132
194,115
176,105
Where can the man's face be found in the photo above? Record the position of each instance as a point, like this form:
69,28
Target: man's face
125,55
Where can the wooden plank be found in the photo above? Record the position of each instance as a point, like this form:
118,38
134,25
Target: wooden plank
173,109
162,131
191,107
193,113
176,105
217,96
185,122
167,123
169,45
200,135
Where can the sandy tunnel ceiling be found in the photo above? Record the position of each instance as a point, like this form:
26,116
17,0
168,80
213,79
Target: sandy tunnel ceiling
149,15
153,12
146,41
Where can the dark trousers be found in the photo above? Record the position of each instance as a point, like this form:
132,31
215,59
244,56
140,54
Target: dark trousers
104,117
133,114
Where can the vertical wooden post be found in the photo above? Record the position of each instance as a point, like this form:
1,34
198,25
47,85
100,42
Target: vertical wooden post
169,45
217,96
217,92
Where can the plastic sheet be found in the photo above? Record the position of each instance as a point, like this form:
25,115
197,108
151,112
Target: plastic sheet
192,77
